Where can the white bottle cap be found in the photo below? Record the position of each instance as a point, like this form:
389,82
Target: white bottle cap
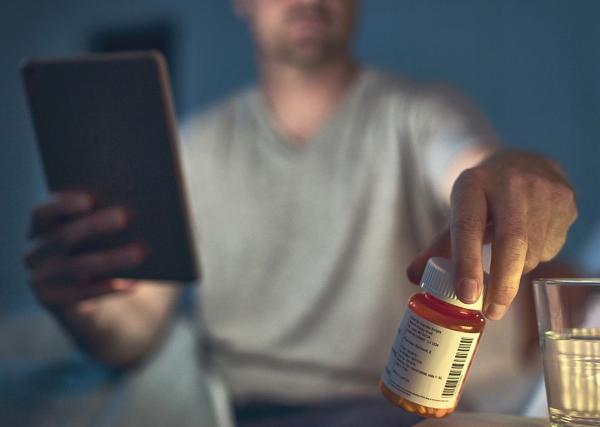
438,281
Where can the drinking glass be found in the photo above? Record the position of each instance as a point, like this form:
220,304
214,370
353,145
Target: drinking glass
568,315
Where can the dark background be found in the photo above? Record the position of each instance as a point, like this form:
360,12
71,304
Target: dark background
532,65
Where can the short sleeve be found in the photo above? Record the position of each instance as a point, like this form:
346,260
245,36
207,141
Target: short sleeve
194,133
188,133
444,124
192,140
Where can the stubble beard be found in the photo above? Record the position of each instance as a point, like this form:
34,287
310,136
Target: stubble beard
309,54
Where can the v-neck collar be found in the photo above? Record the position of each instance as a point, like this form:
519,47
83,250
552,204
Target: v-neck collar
264,115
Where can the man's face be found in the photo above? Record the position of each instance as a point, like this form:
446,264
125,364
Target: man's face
304,33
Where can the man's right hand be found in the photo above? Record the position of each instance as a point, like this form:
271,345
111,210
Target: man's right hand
62,279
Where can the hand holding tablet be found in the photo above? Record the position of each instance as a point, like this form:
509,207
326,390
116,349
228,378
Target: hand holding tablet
105,127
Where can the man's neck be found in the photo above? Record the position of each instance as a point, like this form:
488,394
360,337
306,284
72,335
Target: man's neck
301,100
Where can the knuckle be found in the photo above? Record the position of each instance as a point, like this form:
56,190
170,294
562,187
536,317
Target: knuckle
539,185
514,233
563,200
567,201
567,198
463,178
553,247
531,262
467,224
467,178
535,247
549,253
512,178
564,194
574,215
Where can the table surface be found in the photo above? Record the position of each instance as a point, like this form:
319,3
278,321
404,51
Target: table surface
465,419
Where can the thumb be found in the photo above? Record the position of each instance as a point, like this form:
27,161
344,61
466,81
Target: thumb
440,247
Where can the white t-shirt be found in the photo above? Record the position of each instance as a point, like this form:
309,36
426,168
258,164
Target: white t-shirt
303,250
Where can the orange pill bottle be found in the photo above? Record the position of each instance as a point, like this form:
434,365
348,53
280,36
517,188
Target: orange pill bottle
434,347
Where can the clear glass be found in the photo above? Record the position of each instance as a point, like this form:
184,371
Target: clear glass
568,315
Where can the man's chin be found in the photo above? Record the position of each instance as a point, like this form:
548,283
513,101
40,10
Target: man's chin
311,55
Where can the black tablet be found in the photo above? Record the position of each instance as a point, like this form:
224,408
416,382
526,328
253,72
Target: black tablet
105,124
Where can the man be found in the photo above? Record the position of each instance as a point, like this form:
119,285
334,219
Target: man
311,194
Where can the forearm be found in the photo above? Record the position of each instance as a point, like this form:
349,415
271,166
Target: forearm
122,329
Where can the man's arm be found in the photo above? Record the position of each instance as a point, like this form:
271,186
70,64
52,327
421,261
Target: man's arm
117,321
121,330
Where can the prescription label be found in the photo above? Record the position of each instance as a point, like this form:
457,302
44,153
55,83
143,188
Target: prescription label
428,362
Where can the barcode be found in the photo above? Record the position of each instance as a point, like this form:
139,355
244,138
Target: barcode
456,370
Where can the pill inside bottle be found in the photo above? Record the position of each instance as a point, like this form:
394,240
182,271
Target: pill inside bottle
434,346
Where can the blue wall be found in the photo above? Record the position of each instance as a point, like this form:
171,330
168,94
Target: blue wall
532,66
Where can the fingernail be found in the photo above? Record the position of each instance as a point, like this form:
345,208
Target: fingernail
468,290
80,202
495,311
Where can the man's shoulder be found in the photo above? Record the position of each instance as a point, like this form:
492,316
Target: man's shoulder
386,85
411,93
218,113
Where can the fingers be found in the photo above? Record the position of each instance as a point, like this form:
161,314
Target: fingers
61,205
538,218
565,215
556,237
87,268
59,226
56,296
509,248
468,221
63,281
532,216
59,242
